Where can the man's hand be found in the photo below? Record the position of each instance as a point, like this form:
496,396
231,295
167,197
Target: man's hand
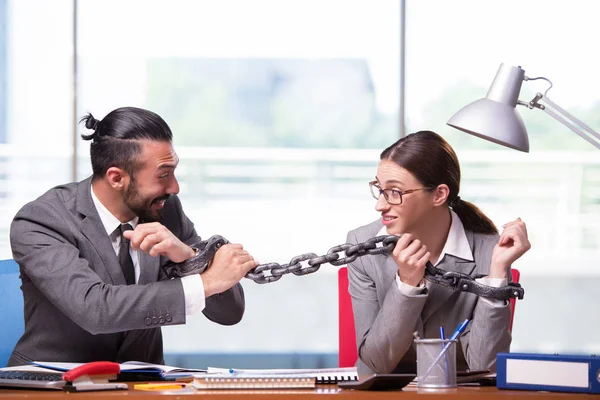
512,244
411,256
155,239
228,267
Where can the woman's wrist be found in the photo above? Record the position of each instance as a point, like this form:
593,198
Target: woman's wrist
498,270
412,281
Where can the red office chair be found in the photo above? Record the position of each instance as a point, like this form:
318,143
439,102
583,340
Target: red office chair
515,278
347,344
347,335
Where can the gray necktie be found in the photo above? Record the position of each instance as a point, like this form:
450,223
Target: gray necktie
124,257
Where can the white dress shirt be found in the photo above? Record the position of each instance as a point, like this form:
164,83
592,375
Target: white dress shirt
456,245
193,287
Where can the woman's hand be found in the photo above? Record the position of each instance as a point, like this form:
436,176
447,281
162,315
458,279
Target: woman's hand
512,244
411,256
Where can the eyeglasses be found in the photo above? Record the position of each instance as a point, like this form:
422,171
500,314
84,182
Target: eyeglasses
392,196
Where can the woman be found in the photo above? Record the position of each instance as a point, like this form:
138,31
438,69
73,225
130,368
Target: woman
417,187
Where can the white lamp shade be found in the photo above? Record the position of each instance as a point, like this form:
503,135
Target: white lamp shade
497,122
494,117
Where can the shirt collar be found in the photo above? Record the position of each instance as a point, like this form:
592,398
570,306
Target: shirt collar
456,244
109,221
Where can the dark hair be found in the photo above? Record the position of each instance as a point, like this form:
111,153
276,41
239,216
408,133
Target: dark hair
115,140
432,161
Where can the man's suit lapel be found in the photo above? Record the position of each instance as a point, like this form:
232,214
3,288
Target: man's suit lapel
94,231
439,294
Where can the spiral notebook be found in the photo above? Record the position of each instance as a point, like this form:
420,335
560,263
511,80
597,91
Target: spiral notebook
258,382
220,378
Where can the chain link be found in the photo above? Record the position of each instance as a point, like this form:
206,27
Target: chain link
346,253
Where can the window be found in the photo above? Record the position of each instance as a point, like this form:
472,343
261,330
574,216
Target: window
3,65
36,70
279,111
452,57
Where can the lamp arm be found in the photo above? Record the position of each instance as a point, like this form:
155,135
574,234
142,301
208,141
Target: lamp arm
567,119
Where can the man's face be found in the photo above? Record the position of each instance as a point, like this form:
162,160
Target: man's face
153,181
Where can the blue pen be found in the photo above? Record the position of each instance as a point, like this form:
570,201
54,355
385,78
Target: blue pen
443,337
457,332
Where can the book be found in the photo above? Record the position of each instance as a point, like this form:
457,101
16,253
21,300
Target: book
130,370
320,375
165,371
548,372
216,381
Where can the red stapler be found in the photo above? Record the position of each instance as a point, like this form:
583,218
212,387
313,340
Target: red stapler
93,376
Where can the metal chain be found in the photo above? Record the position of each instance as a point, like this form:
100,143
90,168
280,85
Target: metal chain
347,253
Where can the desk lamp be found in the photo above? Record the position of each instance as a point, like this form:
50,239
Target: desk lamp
496,119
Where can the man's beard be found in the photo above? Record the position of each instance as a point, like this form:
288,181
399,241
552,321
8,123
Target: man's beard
140,206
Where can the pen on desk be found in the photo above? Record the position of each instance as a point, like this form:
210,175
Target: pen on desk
159,386
457,332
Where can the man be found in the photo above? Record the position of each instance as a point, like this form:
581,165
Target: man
88,296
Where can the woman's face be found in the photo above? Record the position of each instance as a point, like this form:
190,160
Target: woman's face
401,218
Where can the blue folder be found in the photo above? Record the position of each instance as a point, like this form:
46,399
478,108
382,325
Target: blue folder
548,372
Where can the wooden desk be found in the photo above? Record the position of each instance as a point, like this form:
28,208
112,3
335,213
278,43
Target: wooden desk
321,393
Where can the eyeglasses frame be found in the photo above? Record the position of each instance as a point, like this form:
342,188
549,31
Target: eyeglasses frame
385,194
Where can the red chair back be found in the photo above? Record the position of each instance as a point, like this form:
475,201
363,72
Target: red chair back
516,275
347,335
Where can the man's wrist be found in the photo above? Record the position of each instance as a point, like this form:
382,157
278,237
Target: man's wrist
207,283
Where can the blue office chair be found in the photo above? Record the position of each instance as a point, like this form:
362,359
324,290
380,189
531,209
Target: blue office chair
11,309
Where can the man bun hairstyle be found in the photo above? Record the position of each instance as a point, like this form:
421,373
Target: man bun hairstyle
115,140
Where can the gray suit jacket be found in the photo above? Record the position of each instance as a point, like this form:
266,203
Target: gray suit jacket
77,306
385,318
